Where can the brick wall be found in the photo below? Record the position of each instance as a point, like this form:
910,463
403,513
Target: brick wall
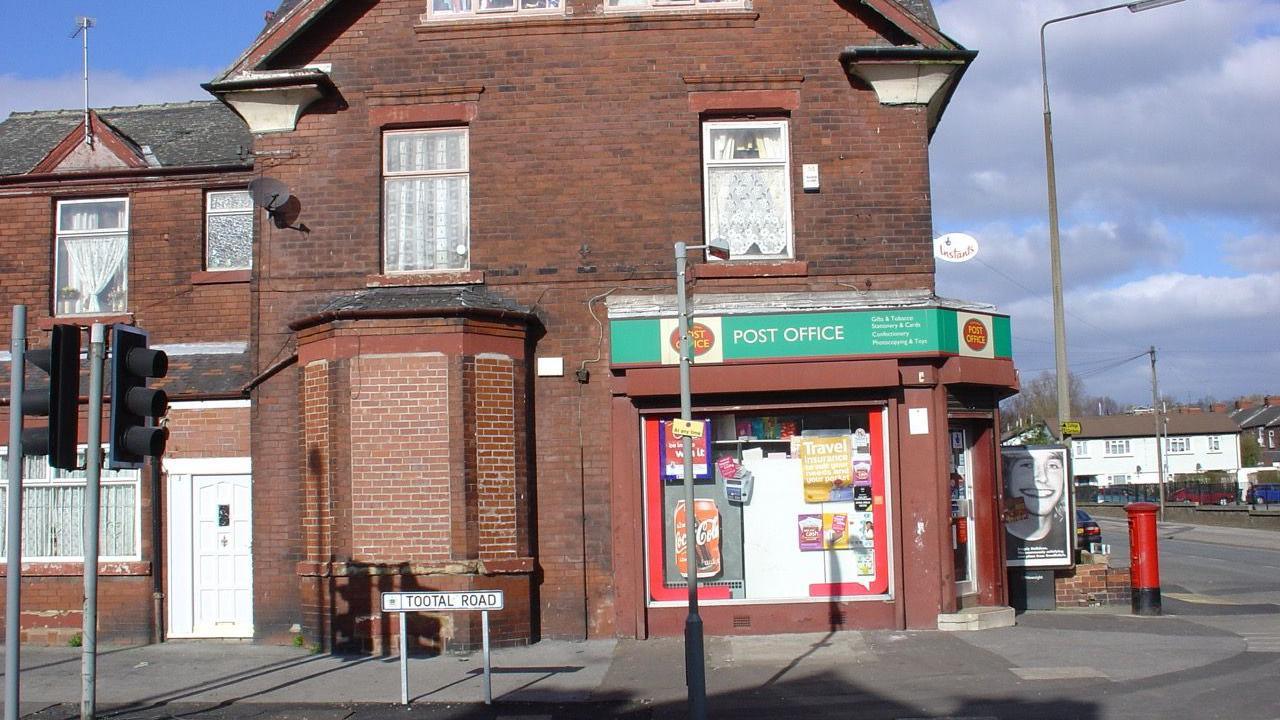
1092,582
208,432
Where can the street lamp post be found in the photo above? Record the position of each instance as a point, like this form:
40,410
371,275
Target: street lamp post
1055,253
694,656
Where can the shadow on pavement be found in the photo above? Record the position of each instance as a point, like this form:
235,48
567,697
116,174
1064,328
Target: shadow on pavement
820,696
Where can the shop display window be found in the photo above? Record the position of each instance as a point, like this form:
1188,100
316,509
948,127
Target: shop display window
789,506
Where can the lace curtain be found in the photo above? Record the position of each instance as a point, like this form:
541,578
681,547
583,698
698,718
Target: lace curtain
94,260
426,220
747,205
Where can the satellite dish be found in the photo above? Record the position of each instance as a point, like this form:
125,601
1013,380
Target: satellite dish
955,247
268,193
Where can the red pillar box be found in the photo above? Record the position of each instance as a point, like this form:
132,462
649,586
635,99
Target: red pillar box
1144,558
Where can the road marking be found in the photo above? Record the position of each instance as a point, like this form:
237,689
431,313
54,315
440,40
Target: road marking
1261,642
1057,673
1202,599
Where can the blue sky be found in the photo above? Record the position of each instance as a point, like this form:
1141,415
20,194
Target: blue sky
1168,166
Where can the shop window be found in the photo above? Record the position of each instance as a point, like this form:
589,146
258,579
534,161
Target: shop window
53,512
93,257
454,9
788,507
228,230
747,186
426,200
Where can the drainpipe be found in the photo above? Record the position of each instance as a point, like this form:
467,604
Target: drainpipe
157,557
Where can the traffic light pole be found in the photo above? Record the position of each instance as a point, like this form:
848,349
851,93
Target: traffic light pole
92,498
13,530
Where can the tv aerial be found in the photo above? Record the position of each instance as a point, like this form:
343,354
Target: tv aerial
274,197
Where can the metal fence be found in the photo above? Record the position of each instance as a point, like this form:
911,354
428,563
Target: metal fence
1178,491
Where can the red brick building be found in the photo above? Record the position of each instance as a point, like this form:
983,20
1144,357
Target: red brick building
461,322
144,220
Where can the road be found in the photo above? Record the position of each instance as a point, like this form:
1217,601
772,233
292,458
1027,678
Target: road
1228,565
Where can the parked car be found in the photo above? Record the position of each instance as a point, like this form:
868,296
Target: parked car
1203,496
1263,494
1087,531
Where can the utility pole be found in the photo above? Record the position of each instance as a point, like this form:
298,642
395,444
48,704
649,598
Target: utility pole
1155,413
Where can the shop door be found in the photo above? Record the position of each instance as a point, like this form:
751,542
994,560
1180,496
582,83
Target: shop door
962,507
211,564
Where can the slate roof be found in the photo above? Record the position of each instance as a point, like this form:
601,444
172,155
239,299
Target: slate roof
187,134
1258,416
1130,426
190,376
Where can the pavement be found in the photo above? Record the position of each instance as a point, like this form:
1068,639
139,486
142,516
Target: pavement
1205,657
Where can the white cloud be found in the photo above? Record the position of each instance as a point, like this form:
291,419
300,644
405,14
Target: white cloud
106,89
1254,252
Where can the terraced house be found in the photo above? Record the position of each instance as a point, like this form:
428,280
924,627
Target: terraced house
462,344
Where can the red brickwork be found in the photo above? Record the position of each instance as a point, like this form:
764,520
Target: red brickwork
495,456
1092,582
400,449
208,432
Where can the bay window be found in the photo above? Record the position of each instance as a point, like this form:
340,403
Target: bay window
747,188
92,261
228,230
426,200
53,512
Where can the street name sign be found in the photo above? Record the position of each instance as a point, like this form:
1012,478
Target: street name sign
442,601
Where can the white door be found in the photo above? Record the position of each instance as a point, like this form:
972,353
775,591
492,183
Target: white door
211,555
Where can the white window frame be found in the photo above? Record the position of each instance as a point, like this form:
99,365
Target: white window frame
1177,445
708,163
67,478
1271,439
648,5
1119,479
1117,448
486,9
210,213
1080,448
60,234
463,172
1215,443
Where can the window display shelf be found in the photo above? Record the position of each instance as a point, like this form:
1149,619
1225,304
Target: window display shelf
741,441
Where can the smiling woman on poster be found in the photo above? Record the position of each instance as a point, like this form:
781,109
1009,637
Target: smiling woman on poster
1035,480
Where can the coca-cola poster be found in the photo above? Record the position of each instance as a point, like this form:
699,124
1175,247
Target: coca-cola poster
706,547
673,453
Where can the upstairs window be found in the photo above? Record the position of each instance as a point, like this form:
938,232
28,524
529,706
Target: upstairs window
1215,443
1080,448
1117,447
663,4
747,186
426,200
451,9
92,257
228,230
1177,444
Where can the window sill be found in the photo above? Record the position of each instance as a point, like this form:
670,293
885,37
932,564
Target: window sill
741,269
220,277
609,21
76,568
446,277
47,323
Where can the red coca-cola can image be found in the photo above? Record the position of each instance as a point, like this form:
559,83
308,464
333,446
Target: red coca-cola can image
706,547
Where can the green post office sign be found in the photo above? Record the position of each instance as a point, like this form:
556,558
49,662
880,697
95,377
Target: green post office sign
912,331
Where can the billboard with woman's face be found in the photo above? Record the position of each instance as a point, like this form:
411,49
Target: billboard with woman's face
1037,514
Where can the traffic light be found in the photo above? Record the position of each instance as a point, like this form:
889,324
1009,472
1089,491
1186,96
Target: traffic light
134,406
60,401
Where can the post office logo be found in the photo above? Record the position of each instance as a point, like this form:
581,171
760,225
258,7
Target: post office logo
975,335
704,341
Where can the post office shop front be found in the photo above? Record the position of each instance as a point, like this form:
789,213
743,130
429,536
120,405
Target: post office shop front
847,475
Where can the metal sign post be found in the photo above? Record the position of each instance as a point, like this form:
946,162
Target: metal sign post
407,602
13,530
